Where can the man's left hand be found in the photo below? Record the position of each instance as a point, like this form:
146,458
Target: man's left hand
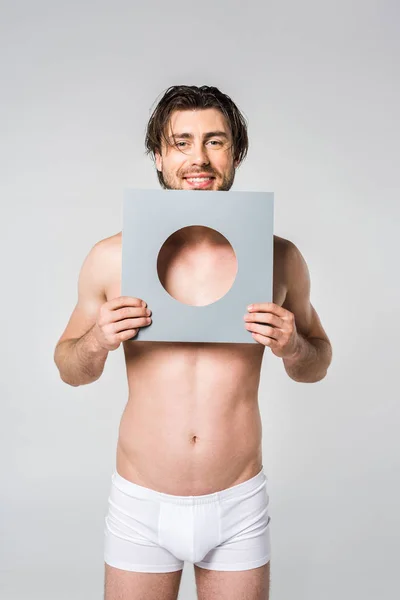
273,326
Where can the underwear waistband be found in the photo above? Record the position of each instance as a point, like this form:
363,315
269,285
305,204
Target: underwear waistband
246,488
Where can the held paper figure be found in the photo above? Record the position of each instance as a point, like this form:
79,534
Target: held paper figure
189,483
154,224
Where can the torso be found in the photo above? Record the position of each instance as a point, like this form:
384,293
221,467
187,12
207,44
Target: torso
192,423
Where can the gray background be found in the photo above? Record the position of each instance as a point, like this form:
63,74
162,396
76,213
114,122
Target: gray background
318,82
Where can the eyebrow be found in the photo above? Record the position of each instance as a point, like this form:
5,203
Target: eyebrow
188,136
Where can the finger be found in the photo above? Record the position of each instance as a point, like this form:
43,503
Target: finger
265,330
130,324
268,307
262,339
121,301
124,336
265,317
128,312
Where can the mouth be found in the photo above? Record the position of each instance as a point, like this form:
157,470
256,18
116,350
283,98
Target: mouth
200,182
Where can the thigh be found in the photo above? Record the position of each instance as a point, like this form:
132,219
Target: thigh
130,585
132,539
252,584
245,537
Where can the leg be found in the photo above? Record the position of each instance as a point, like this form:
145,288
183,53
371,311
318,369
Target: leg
252,584
137,567
238,568
129,585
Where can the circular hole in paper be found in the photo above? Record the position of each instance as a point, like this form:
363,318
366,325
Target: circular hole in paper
195,272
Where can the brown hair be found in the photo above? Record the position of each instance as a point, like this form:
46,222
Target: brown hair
189,97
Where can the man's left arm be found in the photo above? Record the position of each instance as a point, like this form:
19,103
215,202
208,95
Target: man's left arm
293,331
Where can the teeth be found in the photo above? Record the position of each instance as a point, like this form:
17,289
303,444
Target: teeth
198,179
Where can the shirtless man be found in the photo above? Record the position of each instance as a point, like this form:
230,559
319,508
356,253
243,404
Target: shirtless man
189,481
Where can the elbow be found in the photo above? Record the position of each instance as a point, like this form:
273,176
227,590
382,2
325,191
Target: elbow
76,383
58,363
65,379
69,382
320,377
309,379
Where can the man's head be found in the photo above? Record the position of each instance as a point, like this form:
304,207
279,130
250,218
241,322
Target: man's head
196,131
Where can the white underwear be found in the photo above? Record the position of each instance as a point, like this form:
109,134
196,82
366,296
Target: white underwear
154,532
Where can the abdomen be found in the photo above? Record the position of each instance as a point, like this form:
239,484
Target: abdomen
192,421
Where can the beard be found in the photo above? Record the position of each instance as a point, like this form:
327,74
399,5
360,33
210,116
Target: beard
171,182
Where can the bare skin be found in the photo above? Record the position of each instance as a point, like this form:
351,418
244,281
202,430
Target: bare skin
192,407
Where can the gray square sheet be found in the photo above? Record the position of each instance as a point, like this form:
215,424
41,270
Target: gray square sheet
244,218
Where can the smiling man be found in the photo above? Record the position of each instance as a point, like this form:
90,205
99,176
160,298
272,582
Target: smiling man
189,483
184,133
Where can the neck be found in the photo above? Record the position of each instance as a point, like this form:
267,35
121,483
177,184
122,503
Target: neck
197,235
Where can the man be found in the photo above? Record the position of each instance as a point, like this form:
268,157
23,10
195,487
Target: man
189,481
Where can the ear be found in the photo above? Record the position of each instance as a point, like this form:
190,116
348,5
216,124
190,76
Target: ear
158,159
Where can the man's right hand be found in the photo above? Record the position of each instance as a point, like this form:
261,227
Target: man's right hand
119,320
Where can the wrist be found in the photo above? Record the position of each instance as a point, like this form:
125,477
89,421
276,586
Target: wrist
93,343
297,350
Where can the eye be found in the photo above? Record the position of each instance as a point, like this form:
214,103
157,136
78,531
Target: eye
178,144
215,142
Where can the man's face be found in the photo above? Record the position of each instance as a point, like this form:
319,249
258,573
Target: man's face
201,145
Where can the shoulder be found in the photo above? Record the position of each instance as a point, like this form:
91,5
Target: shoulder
287,250
102,259
107,249
108,244
280,243
291,262
283,249
284,245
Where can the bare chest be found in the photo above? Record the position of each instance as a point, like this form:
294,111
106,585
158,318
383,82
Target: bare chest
192,407
197,280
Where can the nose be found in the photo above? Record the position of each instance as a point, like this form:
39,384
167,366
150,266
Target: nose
199,155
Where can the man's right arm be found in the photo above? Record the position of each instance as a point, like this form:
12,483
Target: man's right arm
78,355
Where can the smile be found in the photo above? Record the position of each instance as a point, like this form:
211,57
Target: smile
199,182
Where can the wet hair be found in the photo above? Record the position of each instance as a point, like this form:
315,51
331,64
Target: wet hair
190,97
